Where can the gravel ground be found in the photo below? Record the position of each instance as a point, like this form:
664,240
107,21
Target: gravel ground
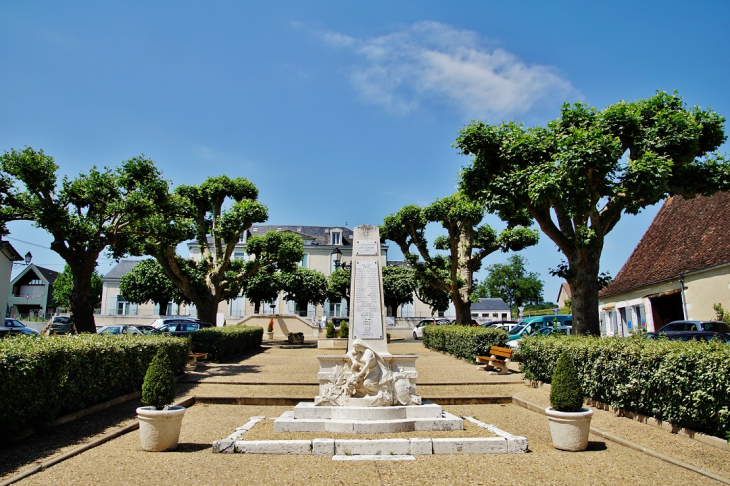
120,461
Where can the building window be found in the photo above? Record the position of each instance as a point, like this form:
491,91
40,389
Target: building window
336,238
239,255
304,261
125,308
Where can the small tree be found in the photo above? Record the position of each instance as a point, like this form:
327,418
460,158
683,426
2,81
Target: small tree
399,285
512,283
63,288
304,286
158,388
566,393
148,282
262,287
338,286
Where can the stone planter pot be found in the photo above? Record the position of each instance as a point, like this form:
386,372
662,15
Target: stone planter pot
569,429
269,336
296,338
159,430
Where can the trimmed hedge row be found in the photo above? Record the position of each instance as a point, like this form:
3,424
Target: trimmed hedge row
224,342
684,383
463,341
45,377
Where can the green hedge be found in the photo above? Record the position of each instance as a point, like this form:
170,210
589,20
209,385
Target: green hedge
224,342
45,377
463,341
684,383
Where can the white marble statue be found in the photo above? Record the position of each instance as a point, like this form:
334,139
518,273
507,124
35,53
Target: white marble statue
366,379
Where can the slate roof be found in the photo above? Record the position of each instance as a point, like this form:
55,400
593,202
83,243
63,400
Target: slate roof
686,236
50,275
320,235
120,270
490,304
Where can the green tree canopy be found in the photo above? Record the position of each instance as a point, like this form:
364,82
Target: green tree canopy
304,286
84,215
467,244
262,287
399,285
148,282
512,283
215,214
63,288
577,176
338,286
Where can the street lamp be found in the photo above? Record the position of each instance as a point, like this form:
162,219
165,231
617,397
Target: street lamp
337,258
28,257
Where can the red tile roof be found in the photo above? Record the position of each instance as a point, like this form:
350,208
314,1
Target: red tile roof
687,235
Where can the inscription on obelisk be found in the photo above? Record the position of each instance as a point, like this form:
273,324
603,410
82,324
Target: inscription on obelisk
367,309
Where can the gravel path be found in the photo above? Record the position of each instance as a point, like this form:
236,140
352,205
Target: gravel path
120,461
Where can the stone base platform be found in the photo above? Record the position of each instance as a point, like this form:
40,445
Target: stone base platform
504,443
306,417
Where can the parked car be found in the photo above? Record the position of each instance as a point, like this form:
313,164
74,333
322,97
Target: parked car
158,323
534,324
711,326
496,323
120,329
418,329
506,326
13,327
146,328
689,336
545,331
179,328
60,325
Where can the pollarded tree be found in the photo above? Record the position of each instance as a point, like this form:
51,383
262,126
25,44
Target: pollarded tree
304,286
262,287
399,285
84,215
338,286
64,284
466,245
577,176
148,282
215,214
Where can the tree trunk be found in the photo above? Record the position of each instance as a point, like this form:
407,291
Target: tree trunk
207,311
82,297
256,307
463,311
583,280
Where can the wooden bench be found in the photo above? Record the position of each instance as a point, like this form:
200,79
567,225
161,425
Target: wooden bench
193,358
497,360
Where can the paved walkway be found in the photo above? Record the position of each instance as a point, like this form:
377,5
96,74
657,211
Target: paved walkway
287,372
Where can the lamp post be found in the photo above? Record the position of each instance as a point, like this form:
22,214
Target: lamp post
337,258
28,257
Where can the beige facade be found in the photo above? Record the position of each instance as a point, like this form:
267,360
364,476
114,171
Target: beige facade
639,308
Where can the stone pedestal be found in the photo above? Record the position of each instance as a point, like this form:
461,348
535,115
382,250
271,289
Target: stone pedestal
307,417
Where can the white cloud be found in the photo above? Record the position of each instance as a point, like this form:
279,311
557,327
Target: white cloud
430,60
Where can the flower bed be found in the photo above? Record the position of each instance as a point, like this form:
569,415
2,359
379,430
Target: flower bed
684,383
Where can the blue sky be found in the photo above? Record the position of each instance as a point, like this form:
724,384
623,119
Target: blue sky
338,111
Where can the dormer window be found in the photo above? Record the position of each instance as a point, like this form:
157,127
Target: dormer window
336,237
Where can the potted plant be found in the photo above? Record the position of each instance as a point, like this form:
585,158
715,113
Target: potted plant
296,338
344,330
270,330
570,422
159,422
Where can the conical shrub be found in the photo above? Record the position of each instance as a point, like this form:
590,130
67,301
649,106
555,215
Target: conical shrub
158,388
566,393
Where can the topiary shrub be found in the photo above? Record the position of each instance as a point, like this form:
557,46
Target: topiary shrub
566,394
344,329
330,333
158,388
